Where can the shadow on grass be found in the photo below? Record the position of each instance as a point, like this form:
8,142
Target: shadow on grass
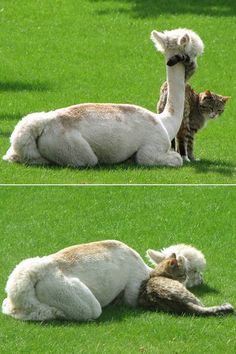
117,313
5,134
203,166
11,116
155,8
111,313
204,289
215,166
15,86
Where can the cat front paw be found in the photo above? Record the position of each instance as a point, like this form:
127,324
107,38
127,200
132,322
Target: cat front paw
193,159
185,158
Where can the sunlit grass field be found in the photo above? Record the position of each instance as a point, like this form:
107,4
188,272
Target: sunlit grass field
58,53
40,221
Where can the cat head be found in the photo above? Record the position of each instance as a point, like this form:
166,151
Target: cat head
211,105
178,41
172,267
195,261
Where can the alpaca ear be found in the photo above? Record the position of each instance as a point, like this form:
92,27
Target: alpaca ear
184,40
154,257
182,260
159,40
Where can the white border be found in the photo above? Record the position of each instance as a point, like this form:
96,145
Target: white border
119,185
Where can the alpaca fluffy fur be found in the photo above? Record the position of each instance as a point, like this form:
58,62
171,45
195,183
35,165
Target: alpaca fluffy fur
195,261
88,134
75,283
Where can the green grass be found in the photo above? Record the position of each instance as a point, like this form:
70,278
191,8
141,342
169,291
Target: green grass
57,53
38,221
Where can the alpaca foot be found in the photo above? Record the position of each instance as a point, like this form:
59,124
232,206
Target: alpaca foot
173,159
148,156
40,161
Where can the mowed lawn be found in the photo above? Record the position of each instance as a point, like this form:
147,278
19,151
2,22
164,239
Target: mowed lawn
39,221
57,53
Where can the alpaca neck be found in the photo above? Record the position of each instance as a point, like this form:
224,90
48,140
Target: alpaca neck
173,113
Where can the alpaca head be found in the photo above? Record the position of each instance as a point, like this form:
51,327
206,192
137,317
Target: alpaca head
178,41
195,261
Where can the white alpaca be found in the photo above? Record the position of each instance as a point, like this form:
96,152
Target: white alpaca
195,261
87,134
75,283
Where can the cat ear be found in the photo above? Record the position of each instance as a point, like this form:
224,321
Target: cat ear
184,40
207,93
173,262
225,98
154,257
159,40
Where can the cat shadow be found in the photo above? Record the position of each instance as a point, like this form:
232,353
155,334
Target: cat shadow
15,86
155,8
204,289
216,166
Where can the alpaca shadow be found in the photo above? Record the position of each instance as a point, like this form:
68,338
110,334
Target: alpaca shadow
203,166
155,8
216,166
5,134
100,168
11,116
110,314
15,86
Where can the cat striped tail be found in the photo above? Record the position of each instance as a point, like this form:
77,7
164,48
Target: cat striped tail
209,311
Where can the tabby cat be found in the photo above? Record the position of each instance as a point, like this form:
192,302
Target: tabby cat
198,109
164,291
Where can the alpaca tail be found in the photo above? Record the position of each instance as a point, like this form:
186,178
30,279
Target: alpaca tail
210,311
21,302
24,139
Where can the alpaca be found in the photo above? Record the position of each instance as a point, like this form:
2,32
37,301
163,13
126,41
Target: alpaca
88,134
195,261
75,283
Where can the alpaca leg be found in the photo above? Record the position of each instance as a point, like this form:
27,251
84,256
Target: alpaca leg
70,296
148,156
38,312
28,153
67,149
173,144
131,296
